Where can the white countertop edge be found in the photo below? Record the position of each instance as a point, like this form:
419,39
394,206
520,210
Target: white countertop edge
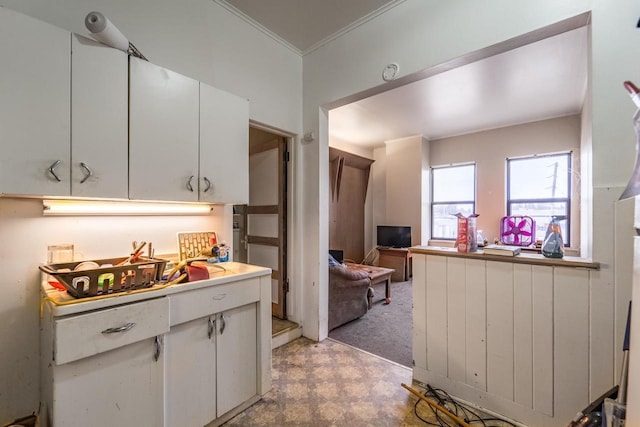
235,271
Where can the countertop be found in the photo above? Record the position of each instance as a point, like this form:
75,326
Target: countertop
219,273
522,258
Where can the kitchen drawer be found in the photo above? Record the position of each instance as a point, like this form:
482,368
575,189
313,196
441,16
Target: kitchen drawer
84,335
198,303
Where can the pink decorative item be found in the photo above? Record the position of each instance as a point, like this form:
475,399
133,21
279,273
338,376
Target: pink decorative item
517,230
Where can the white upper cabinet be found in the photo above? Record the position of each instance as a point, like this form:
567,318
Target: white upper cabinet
163,134
34,107
224,147
99,139
81,119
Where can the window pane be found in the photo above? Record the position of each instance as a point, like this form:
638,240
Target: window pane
454,184
445,224
543,177
541,213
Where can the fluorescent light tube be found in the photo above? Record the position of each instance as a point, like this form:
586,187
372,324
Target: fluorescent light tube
107,208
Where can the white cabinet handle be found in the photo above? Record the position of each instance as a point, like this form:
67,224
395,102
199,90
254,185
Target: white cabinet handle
122,328
223,323
206,181
211,327
87,172
52,167
189,186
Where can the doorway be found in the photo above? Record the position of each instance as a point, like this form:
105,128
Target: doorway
260,228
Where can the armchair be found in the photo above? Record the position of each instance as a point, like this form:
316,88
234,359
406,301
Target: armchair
348,290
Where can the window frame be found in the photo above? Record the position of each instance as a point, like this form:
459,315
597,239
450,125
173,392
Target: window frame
455,202
566,200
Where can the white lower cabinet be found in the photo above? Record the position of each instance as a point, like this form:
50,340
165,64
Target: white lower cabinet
211,366
236,359
121,387
191,373
191,357
105,367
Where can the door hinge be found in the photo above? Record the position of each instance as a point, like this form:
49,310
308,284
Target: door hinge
286,156
285,286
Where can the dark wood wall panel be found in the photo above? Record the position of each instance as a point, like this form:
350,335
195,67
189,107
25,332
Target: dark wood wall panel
349,178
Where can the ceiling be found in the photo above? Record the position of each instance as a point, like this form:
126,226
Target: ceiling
534,82
305,23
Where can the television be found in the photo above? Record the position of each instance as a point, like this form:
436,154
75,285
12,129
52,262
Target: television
392,236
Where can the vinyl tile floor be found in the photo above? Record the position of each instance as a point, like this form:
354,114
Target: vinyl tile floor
329,383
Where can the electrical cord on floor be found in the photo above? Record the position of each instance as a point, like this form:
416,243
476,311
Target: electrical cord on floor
463,411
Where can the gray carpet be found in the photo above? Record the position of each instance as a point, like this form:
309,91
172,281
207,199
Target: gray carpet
385,330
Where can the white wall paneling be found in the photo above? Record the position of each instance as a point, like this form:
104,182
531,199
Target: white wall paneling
436,298
543,350
523,334
500,349
419,298
476,320
571,341
456,318
515,336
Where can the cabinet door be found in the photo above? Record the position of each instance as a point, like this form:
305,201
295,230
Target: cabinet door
99,107
34,106
191,373
224,147
122,387
237,357
163,134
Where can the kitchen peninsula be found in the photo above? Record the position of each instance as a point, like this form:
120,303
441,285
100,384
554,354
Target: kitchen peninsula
509,334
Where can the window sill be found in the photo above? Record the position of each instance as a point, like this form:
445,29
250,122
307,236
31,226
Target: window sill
451,244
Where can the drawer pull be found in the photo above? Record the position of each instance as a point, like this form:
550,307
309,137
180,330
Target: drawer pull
219,297
122,328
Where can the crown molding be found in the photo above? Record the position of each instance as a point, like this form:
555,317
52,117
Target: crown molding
257,25
368,17
318,44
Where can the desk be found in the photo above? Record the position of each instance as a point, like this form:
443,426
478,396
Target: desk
397,258
376,275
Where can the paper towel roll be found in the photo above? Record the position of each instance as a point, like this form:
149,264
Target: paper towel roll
105,32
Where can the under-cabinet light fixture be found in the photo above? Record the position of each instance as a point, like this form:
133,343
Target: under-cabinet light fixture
107,208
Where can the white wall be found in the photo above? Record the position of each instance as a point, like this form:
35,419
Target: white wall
419,34
199,39
489,149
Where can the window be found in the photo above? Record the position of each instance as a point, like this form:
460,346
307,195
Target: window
453,191
540,186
